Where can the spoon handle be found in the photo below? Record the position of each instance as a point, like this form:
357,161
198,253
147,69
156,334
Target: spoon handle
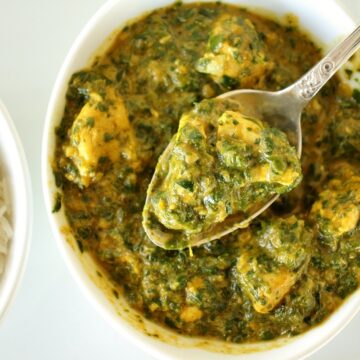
309,84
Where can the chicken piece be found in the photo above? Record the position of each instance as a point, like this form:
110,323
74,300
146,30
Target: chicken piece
282,160
286,240
244,142
263,280
100,133
235,53
347,135
247,129
237,139
337,211
271,261
345,129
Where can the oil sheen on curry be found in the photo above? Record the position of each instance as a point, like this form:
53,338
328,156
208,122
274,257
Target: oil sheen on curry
296,263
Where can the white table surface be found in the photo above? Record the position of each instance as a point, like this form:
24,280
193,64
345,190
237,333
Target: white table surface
50,318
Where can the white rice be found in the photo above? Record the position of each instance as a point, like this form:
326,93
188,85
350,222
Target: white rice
6,231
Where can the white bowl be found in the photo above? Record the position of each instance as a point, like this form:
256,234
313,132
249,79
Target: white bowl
329,23
17,179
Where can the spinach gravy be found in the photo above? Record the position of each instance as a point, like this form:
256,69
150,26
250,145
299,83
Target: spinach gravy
294,265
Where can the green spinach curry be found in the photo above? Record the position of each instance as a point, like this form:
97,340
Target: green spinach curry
219,164
293,266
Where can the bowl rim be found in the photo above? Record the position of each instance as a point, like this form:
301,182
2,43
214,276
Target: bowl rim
17,267
85,284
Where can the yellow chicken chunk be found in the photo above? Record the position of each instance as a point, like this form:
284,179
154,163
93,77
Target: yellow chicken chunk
264,281
337,211
235,126
191,314
101,132
236,52
248,129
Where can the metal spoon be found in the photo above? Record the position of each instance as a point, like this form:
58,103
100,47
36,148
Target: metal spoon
281,109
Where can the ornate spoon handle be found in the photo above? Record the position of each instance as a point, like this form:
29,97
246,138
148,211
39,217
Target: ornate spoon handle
309,84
